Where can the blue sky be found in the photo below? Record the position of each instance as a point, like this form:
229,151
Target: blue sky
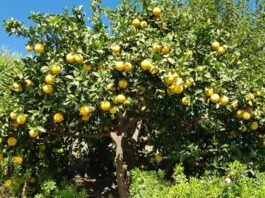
21,9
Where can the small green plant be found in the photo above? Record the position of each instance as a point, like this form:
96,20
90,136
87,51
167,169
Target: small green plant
235,184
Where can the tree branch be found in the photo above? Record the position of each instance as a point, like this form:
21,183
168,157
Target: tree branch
137,130
79,135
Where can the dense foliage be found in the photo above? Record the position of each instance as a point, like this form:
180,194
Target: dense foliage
185,79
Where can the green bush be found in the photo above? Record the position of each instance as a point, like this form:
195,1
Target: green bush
236,183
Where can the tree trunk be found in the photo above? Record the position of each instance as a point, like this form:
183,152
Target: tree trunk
123,188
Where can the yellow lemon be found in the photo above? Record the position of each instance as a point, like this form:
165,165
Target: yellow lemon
112,110
48,89
246,115
128,67
254,126
79,58
11,141
165,50
116,49
200,69
56,69
177,89
185,101
143,24
50,79
136,23
28,83
215,45
58,117
221,50
39,48
17,87
123,84
145,64
189,83
21,119
224,100
85,118
33,133
157,12
215,98
111,87
120,66
239,113
170,79
158,158
209,92
156,48
121,98
18,160
105,105
13,115
84,110
29,48
88,68
70,58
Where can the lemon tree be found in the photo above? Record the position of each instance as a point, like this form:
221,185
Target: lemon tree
185,78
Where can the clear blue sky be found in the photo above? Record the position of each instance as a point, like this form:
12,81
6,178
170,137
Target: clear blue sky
21,9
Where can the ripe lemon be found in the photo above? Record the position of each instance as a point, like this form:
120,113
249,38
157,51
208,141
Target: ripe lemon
145,64
85,118
215,45
105,105
13,115
136,23
156,48
11,141
158,158
111,87
39,48
185,101
50,79
153,70
258,93
246,115
70,58
1,140
28,83
88,68
157,12
170,79
123,84
29,48
121,98
21,119
17,87
84,110
215,98
128,67
48,89
224,100
18,160
165,50
143,24
113,110
58,117
8,183
120,66
221,50
177,89
239,113
56,69
116,49
254,126
79,58
189,83
33,133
